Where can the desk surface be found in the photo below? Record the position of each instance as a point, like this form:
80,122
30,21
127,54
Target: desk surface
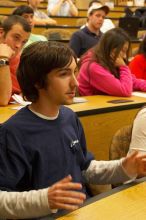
100,104
95,105
128,204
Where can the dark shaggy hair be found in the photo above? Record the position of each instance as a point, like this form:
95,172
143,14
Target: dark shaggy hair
36,61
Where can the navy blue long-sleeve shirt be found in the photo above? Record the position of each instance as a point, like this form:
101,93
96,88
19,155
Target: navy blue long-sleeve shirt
35,152
83,40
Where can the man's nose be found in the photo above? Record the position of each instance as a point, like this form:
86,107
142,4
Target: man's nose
74,81
18,45
30,21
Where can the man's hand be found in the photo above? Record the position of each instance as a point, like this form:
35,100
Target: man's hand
6,51
63,195
135,164
50,21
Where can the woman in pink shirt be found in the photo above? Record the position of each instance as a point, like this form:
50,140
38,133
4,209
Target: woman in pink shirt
104,68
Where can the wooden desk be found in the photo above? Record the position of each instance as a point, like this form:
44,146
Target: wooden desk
18,2
124,203
113,14
39,29
61,20
7,112
6,10
99,118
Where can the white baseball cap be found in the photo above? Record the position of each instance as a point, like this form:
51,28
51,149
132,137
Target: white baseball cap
98,6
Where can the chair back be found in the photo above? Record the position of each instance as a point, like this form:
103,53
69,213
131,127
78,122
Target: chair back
57,34
120,143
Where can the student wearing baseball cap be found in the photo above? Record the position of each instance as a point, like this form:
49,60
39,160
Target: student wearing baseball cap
107,23
89,36
96,6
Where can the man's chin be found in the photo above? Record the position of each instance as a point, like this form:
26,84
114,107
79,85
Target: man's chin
68,102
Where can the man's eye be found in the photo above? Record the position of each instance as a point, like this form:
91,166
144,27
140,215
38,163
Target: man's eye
63,74
16,37
24,42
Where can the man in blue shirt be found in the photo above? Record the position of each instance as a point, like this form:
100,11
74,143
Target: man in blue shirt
44,141
89,36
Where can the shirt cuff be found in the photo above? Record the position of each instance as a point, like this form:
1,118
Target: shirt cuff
53,211
131,176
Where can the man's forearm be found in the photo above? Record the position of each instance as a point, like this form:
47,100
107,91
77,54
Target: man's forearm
6,53
73,10
106,172
29,204
56,8
5,85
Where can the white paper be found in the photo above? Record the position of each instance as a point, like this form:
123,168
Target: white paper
79,100
17,107
140,94
19,99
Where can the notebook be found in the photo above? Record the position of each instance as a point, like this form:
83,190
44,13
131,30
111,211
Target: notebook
131,26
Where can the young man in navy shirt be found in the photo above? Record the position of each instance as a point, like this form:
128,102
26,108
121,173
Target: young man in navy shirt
89,36
44,141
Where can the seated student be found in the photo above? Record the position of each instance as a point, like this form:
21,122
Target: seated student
40,18
89,36
14,33
107,23
29,153
138,138
62,8
28,14
138,63
39,203
104,69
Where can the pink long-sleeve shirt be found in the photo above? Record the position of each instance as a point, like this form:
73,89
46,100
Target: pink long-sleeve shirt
94,79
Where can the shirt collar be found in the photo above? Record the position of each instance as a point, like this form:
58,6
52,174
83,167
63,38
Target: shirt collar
91,33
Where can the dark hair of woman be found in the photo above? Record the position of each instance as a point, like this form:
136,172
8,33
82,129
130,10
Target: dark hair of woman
112,40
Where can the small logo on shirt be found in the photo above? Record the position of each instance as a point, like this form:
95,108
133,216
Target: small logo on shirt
73,143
